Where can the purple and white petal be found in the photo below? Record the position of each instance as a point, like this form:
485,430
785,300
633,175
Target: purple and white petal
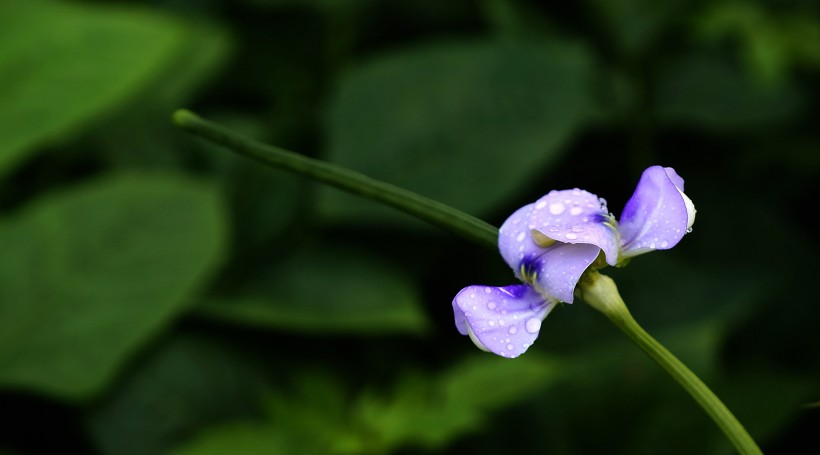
559,269
576,217
515,242
502,320
658,214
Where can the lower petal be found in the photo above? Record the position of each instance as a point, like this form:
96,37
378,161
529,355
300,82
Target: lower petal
559,269
504,320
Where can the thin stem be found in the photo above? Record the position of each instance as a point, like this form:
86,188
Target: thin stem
602,294
416,205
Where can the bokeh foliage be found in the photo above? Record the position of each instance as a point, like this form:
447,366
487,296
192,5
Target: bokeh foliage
160,295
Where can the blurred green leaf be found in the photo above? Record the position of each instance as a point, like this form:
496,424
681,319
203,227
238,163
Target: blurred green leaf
432,413
249,438
422,411
90,275
633,26
767,400
771,42
711,93
465,124
263,202
63,65
199,55
334,290
187,384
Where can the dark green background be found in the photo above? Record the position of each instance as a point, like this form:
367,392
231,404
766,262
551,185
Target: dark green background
161,295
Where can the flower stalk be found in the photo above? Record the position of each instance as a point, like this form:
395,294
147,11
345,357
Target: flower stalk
426,209
600,292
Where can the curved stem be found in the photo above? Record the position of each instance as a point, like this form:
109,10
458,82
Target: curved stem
419,206
601,293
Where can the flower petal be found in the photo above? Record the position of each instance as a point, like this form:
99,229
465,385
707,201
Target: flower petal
560,268
515,242
576,217
656,216
504,320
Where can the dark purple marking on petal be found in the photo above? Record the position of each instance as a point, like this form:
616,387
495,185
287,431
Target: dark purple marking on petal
505,320
515,242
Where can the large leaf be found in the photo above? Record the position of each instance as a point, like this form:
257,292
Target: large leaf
186,384
88,276
329,291
64,64
465,124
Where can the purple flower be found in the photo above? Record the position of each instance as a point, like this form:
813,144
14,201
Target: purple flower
551,242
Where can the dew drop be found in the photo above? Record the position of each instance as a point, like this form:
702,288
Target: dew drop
491,323
557,208
513,330
664,244
488,290
575,211
501,322
509,347
571,236
491,305
533,325
541,205
521,236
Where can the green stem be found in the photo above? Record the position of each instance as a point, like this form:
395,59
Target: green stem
419,206
601,293
596,289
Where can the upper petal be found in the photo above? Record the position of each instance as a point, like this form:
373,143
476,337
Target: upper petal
515,242
656,216
576,216
559,269
504,320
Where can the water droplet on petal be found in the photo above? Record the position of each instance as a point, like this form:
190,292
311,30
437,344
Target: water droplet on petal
575,211
533,325
488,290
557,208
491,305
571,236
521,236
664,244
510,347
491,323
513,330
